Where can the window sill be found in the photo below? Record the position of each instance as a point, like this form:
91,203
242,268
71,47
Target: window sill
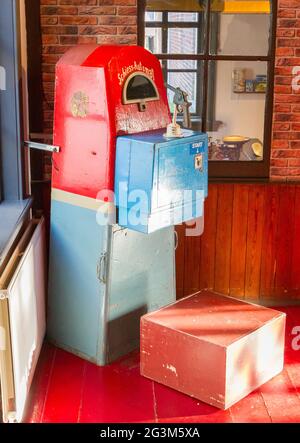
12,216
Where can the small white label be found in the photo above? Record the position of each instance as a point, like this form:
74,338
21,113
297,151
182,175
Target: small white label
198,162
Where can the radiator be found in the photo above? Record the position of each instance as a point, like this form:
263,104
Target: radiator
22,319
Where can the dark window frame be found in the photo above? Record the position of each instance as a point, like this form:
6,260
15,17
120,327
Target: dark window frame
11,136
233,169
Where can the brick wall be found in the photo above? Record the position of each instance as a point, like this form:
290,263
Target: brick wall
285,155
68,22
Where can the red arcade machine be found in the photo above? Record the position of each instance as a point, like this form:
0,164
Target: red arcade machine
124,175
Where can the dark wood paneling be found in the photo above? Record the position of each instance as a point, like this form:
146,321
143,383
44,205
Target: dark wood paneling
223,239
239,240
250,247
208,240
268,259
295,266
256,207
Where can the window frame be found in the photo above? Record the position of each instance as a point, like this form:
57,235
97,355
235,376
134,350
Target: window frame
11,127
258,170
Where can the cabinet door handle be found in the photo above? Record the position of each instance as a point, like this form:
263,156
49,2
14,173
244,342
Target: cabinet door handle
176,240
102,268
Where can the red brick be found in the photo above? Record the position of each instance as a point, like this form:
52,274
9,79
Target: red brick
78,20
56,49
50,39
283,70
49,20
94,10
283,89
78,2
97,30
289,23
289,3
124,2
68,40
283,32
48,68
282,108
59,30
284,80
50,58
288,42
121,40
282,117
294,162
125,10
292,61
47,77
287,13
283,171
281,126
285,52
295,146
125,30
280,144
295,127
116,20
57,10
287,98
84,39
279,162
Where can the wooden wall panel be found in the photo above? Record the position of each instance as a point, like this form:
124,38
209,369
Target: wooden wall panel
208,240
256,208
180,253
191,264
268,259
250,247
223,239
239,241
295,266
285,238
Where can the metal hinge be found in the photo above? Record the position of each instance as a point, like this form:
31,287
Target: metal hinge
3,294
102,268
41,146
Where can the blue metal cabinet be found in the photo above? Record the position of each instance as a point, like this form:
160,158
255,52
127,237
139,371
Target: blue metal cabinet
160,181
102,279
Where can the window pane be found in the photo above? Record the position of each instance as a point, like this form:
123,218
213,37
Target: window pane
182,64
252,29
236,107
182,41
187,81
182,17
151,16
153,40
139,88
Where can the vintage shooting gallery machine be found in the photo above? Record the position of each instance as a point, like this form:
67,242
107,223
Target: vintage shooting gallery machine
124,175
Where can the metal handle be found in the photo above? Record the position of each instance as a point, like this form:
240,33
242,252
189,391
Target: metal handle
41,146
176,240
101,269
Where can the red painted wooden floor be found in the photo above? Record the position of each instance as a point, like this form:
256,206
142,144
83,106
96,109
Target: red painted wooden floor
69,389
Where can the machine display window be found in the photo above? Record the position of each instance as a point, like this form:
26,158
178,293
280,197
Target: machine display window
139,88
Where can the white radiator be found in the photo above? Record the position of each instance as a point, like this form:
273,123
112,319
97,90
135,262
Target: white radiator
22,319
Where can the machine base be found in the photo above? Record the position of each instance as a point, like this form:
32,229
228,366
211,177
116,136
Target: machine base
102,279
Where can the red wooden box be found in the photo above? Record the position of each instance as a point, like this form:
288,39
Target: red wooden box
212,347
